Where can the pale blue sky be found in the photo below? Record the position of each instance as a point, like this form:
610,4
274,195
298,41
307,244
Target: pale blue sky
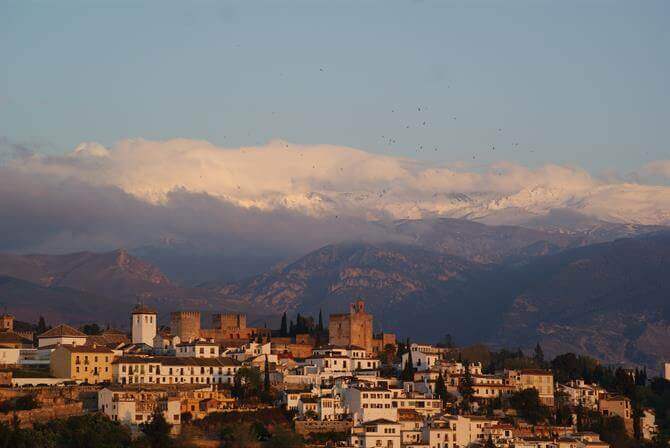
576,82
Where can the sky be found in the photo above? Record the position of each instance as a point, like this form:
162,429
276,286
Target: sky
580,83
293,124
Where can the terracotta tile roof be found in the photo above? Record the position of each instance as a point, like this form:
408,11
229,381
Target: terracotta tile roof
409,415
379,421
110,340
86,349
194,343
61,331
178,361
536,372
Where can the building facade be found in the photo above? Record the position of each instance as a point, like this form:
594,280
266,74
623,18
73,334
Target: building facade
89,364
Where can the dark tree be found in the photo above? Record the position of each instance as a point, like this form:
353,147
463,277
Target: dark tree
408,369
320,327
266,379
299,324
441,389
465,388
283,330
446,342
284,438
538,357
91,329
527,404
41,326
157,431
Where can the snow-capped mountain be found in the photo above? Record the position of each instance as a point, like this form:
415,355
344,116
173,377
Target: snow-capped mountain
328,181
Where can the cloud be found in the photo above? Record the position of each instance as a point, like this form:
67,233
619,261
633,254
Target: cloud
46,214
281,196
659,168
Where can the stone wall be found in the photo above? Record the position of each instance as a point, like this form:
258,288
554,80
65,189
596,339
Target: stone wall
42,415
53,396
229,321
304,427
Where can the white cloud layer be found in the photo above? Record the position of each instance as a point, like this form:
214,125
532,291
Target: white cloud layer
322,180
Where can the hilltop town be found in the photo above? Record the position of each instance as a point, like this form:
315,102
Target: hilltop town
308,382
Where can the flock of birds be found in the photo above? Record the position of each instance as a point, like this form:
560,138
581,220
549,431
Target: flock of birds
393,140
389,141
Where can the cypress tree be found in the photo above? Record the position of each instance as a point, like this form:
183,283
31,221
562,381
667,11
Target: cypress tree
41,325
408,370
299,324
466,389
320,321
266,379
539,355
441,389
283,331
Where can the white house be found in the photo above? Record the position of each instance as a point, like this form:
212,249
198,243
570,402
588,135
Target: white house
582,394
365,404
174,370
420,360
648,424
248,351
135,406
198,349
376,433
62,334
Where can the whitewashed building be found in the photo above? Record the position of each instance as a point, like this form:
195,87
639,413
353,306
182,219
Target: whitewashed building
174,370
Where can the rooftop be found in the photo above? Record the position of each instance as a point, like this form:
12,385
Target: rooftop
178,361
62,330
141,308
380,421
86,349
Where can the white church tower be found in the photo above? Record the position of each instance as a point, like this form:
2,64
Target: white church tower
144,325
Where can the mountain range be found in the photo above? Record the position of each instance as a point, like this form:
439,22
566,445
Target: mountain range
86,286
590,287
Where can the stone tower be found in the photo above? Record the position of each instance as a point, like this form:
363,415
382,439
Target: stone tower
6,322
144,325
230,321
354,328
185,324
